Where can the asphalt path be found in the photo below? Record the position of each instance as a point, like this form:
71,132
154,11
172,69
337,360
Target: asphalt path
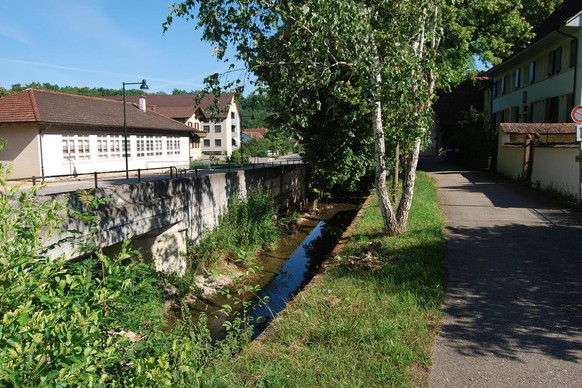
513,309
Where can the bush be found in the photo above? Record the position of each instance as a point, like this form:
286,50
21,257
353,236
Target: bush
248,224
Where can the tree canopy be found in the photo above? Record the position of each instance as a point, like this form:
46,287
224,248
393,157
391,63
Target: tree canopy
334,69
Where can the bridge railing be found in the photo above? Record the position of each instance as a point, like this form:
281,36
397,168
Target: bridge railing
170,171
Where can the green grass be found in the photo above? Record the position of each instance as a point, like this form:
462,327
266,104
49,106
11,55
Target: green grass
369,321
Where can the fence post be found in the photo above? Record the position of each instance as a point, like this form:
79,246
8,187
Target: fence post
33,180
138,175
195,171
95,175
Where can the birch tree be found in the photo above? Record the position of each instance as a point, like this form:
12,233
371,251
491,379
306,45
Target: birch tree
371,66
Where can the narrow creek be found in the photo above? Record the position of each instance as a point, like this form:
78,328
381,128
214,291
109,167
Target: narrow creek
284,270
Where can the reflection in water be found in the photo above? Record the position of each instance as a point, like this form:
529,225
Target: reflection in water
299,269
285,269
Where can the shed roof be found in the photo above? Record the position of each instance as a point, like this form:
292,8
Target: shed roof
47,107
539,128
256,133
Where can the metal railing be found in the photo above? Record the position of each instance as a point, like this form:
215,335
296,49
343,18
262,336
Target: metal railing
173,172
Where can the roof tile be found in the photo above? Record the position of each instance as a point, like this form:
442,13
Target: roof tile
47,107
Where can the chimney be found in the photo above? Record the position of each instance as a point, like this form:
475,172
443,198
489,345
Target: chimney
142,103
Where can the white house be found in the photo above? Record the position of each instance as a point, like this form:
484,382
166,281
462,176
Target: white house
537,86
218,117
51,133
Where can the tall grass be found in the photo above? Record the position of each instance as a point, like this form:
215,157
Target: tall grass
369,321
248,225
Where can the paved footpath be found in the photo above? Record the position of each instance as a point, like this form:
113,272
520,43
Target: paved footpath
513,309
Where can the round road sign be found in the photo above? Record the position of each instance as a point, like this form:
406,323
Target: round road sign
577,114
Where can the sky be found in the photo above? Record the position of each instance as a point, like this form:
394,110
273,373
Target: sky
101,43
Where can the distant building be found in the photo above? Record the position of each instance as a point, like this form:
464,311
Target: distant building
529,100
223,132
253,133
50,133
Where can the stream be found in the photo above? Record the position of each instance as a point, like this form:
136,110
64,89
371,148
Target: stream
284,270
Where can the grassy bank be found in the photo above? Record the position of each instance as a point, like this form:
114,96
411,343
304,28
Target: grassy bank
369,321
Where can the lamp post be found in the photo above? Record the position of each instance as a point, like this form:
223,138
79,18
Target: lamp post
143,86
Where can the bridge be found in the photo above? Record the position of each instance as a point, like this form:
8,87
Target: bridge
160,216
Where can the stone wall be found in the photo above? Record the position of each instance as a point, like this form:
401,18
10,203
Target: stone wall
160,216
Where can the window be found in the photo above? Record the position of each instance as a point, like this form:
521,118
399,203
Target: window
517,79
217,143
573,53
206,128
555,61
108,146
233,128
206,143
232,115
495,88
194,142
76,147
532,72
140,142
234,142
514,117
217,129
173,145
158,149
148,146
503,85
552,109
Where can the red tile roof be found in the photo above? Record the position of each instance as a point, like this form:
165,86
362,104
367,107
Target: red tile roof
539,128
182,106
256,133
46,107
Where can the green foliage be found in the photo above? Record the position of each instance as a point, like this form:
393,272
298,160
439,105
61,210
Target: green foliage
248,224
98,321
254,111
473,137
60,321
373,317
79,90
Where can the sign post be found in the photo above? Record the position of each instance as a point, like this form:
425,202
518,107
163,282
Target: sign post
576,115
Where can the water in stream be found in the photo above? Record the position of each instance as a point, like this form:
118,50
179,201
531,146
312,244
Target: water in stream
287,268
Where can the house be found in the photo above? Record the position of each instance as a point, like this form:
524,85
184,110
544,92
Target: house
223,132
253,133
535,87
50,133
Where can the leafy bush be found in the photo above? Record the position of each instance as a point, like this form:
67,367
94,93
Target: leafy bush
248,224
97,321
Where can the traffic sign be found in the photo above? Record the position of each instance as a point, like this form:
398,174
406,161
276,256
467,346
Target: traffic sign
577,114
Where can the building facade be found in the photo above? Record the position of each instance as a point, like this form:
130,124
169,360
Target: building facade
49,133
218,118
543,82
529,102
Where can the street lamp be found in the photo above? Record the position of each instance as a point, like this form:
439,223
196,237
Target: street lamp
143,86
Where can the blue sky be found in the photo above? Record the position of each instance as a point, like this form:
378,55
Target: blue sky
101,43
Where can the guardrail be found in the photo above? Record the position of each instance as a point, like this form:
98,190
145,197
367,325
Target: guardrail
35,179
173,171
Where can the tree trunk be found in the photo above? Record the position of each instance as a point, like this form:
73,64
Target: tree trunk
407,189
396,173
384,203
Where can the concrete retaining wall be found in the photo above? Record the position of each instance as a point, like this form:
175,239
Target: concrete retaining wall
160,216
556,168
